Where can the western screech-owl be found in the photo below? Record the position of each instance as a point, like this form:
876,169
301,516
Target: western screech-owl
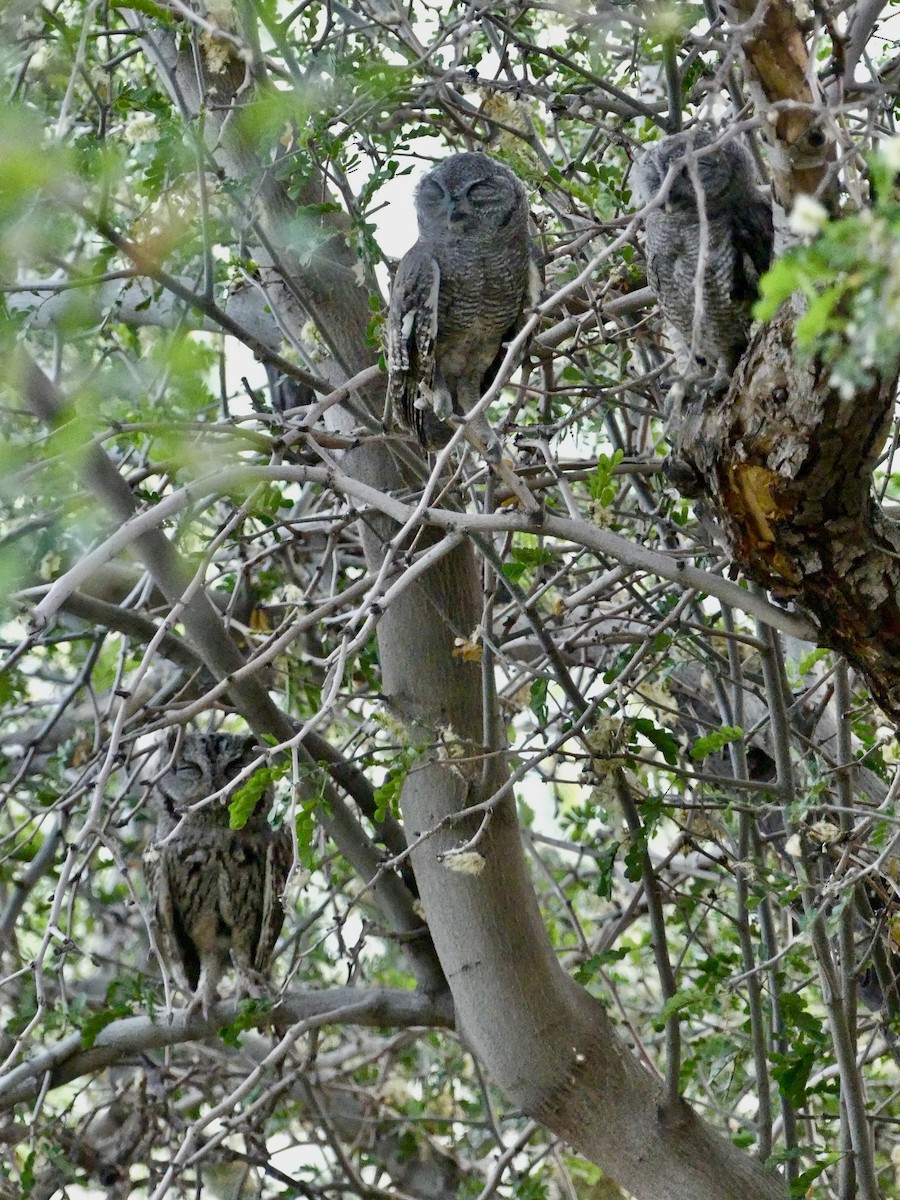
459,293
707,245
216,891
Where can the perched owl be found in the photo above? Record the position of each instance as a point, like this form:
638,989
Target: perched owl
704,272
459,293
215,890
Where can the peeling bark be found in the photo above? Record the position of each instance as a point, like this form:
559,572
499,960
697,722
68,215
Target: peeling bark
780,78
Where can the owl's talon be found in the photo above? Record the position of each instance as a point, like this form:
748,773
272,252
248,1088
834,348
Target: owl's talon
442,406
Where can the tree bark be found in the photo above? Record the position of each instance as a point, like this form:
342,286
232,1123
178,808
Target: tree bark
786,464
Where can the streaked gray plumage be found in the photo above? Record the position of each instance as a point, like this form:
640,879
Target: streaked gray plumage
459,293
705,291
216,891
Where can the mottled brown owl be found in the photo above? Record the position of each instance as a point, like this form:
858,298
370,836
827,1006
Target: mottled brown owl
459,293
216,891
707,245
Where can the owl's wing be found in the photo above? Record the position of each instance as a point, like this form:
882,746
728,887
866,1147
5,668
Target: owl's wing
412,333
279,856
754,234
177,949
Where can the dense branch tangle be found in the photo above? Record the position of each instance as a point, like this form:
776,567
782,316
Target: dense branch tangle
188,540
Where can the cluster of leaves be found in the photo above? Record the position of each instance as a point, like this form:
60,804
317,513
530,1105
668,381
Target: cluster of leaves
848,275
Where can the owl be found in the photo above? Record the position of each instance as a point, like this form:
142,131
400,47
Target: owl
704,270
215,890
459,293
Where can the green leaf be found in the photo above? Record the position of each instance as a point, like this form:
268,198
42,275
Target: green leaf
801,1185
98,1021
246,798
779,282
514,571
605,864
817,320
809,660
524,558
305,826
601,484
685,998
715,741
247,1017
28,1172
664,742
796,1016
538,699
387,796
791,1072
634,862
586,971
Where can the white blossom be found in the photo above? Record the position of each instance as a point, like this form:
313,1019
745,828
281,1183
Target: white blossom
793,846
807,216
141,128
218,51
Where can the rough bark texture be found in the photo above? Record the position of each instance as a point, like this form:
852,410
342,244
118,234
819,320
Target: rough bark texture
786,464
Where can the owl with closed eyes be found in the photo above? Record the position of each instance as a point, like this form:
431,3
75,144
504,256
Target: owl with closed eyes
459,293
707,244
216,891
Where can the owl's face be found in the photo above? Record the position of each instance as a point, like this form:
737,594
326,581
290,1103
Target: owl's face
470,196
717,173
203,764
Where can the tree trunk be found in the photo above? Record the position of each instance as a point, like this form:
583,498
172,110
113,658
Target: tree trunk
786,462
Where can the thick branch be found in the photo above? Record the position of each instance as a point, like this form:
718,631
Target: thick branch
779,74
67,1060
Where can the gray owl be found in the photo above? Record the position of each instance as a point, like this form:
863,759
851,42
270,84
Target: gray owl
704,272
215,890
459,293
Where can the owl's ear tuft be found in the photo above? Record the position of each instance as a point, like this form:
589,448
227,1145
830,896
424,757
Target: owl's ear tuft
168,745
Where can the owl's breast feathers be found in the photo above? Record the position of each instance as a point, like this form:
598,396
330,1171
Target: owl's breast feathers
453,306
218,891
